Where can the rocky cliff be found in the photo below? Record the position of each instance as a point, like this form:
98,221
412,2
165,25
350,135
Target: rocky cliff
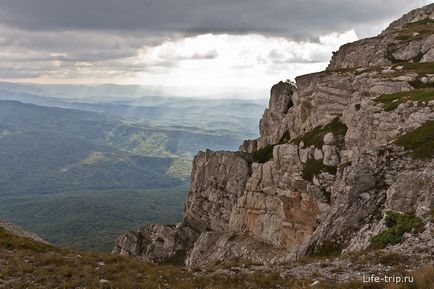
344,162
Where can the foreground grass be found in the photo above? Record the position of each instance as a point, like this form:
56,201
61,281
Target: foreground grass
25,263
22,269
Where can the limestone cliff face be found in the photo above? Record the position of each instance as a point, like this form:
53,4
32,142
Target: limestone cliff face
327,166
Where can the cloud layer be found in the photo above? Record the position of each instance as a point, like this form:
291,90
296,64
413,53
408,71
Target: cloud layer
249,43
294,18
223,60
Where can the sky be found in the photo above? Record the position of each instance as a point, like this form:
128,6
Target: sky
183,47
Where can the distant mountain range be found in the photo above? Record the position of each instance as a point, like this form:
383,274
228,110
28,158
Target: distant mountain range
79,173
232,115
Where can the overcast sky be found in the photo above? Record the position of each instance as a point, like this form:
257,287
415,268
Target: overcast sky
198,46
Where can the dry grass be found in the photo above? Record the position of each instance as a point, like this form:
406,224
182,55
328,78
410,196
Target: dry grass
416,30
423,279
23,264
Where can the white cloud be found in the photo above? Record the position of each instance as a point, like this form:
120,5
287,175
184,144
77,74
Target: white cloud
251,60
216,64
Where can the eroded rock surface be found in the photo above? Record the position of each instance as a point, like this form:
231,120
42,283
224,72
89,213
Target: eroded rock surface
326,167
408,39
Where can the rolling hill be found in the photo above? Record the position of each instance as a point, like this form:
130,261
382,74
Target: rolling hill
79,177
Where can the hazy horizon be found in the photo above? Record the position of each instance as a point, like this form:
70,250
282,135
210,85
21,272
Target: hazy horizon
131,91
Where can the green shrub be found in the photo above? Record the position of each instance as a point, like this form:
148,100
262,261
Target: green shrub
312,137
328,249
397,224
265,154
418,84
232,237
420,141
418,57
327,195
286,137
313,167
178,259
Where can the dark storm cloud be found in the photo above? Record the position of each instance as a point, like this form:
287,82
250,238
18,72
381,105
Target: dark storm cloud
107,38
70,45
294,18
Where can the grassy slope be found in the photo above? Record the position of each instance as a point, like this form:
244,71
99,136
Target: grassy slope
25,263
419,141
81,178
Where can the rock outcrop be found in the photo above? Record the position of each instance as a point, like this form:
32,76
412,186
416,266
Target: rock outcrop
337,151
408,39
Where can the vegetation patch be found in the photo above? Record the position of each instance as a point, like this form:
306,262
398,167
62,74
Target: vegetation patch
61,268
391,259
420,141
397,224
327,195
177,259
64,219
70,270
342,70
328,249
418,84
390,57
232,237
316,135
392,101
313,167
286,137
265,154
416,30
419,67
12,242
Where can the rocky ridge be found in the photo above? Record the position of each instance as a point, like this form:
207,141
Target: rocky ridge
339,151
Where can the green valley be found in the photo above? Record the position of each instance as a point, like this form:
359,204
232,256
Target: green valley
80,178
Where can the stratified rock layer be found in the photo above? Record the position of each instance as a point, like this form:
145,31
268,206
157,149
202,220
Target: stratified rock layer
325,169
